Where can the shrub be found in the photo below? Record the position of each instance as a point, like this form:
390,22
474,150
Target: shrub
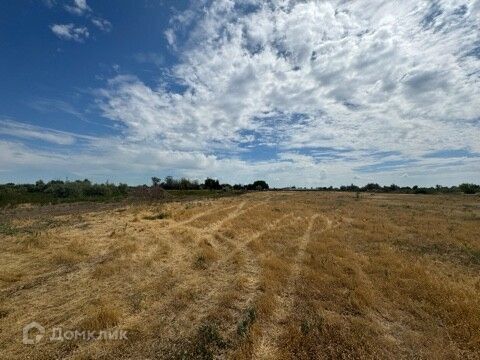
469,188
211,184
208,340
64,190
98,190
258,185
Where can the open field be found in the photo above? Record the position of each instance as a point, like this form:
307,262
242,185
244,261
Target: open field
270,275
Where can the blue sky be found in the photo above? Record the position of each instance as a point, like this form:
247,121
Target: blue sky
306,93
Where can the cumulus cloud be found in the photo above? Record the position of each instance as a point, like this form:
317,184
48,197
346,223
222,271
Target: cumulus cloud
119,160
102,24
333,90
74,32
70,32
352,70
78,7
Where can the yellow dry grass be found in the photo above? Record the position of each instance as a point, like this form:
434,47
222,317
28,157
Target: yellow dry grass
300,275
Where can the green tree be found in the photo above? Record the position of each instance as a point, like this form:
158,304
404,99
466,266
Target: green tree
155,181
258,185
469,188
211,184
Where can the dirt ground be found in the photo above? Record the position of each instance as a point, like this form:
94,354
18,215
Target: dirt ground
269,275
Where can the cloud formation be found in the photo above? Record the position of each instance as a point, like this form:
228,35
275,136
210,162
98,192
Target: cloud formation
78,7
102,24
329,92
70,32
306,74
75,32
21,130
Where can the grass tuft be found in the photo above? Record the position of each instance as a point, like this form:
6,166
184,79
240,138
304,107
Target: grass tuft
104,317
158,216
246,322
207,341
6,229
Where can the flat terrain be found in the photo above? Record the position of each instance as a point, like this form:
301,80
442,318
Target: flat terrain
271,275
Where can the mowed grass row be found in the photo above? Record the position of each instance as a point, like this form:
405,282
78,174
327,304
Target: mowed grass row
264,275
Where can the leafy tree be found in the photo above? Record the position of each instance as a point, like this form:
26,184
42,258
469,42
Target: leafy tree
372,187
40,185
123,189
393,187
155,181
469,188
211,184
184,184
261,184
169,182
258,185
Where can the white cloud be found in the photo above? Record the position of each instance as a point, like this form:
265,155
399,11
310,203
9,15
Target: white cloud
363,76
349,67
102,24
170,36
70,32
327,86
21,130
78,7
118,160
74,32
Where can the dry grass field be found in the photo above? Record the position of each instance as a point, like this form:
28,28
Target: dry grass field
271,275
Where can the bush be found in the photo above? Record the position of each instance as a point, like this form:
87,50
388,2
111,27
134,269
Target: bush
64,190
211,184
258,185
469,188
122,189
59,191
98,190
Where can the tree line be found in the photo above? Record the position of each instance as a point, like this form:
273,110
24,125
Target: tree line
57,191
170,183
465,188
84,190
60,191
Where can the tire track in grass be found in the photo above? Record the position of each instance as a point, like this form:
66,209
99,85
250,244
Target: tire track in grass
210,233
251,266
267,347
194,288
202,214
238,211
221,278
210,284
